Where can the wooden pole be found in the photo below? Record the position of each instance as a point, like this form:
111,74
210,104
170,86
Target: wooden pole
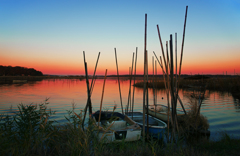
168,79
88,91
156,86
134,81
92,85
166,83
172,85
94,74
102,98
183,42
180,101
159,62
176,63
118,80
161,45
147,96
180,66
153,81
144,91
93,78
156,80
130,87
129,71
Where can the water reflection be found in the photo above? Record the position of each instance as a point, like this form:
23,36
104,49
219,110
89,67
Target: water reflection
221,109
236,104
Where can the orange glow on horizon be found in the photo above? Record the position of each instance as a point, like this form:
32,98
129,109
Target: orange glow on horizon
56,67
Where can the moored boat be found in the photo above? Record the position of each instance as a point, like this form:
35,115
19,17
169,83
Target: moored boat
163,115
156,127
115,127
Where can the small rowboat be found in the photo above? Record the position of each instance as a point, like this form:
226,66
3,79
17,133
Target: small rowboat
115,127
156,127
163,115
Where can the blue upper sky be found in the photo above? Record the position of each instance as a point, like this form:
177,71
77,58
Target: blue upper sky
59,30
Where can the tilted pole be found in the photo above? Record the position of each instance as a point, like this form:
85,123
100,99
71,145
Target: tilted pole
92,84
118,80
130,87
134,81
102,98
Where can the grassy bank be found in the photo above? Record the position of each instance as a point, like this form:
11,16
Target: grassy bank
223,84
31,131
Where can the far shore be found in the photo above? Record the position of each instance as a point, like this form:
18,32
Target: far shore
19,79
23,79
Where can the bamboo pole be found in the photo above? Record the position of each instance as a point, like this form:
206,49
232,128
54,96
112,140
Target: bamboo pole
134,81
129,93
169,84
155,90
153,81
88,91
93,78
176,63
166,82
180,66
147,96
161,65
172,88
145,53
92,85
130,87
118,80
183,41
168,88
94,74
161,45
102,98
156,79
180,101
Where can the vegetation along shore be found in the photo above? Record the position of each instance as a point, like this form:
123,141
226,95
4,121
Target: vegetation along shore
215,83
32,131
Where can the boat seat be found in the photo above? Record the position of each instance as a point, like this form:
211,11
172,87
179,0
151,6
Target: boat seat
116,126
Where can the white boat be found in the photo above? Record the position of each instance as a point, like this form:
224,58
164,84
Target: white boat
115,127
163,115
156,127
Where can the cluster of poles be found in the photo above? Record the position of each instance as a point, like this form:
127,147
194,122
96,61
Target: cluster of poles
171,86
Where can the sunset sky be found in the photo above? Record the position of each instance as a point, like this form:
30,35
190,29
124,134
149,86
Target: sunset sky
51,35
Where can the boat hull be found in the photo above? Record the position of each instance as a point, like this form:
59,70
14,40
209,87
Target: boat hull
156,127
164,116
122,128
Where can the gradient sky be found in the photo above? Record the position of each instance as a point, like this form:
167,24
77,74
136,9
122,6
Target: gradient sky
51,35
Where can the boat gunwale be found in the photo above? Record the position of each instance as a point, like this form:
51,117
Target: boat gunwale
133,126
151,126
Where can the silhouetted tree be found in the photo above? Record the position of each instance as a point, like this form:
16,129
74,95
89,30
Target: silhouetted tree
18,71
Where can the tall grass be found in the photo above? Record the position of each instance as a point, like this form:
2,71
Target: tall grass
229,84
194,122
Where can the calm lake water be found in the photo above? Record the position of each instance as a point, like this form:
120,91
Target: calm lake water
221,109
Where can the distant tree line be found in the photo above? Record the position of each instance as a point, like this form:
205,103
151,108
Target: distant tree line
18,71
